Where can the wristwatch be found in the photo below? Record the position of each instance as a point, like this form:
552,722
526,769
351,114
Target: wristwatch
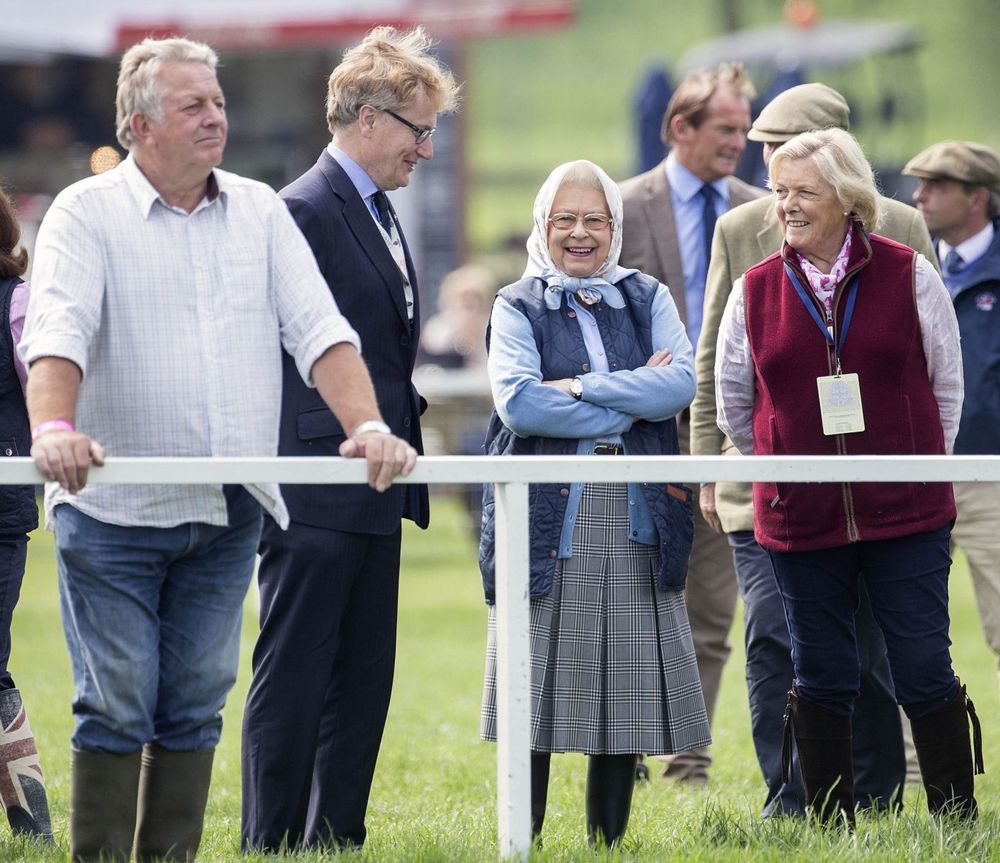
576,388
371,426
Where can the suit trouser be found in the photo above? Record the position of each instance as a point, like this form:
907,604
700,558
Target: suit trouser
879,763
323,667
710,595
976,534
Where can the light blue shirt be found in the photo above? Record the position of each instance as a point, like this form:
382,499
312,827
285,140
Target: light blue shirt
358,176
611,401
689,207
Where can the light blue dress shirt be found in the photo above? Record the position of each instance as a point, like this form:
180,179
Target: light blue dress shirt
358,176
688,209
611,401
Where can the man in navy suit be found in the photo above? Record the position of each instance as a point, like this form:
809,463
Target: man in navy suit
323,664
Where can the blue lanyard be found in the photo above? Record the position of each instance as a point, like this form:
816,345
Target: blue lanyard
852,296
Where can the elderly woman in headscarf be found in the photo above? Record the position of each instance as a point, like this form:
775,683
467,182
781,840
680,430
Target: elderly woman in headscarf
589,358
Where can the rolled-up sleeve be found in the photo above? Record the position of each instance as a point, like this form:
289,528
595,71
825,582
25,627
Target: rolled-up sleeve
67,292
734,374
308,316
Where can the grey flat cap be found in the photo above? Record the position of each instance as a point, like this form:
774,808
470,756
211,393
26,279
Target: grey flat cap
800,109
965,161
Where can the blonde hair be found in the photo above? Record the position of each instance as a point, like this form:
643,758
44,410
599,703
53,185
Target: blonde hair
842,163
384,71
139,89
691,98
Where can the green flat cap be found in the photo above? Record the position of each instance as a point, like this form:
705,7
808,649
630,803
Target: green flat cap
965,161
800,109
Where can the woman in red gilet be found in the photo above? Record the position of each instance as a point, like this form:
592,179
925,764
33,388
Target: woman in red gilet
845,342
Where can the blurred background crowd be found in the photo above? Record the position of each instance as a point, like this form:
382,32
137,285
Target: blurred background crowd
911,71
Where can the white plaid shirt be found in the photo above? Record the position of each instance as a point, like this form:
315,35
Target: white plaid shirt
177,321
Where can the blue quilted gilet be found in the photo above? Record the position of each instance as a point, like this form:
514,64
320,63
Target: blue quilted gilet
627,337
18,511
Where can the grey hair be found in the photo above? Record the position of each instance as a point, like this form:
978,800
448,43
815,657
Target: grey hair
385,70
139,89
582,173
842,163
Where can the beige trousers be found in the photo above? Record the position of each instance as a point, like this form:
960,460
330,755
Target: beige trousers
711,595
977,534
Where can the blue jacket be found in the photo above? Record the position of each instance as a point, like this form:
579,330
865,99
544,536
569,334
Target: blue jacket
558,351
976,294
18,510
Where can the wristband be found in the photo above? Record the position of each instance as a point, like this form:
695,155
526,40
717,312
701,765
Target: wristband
371,426
50,425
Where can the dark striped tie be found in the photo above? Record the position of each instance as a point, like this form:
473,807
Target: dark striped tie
382,208
708,218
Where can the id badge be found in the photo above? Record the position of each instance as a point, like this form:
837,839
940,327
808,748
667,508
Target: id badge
840,404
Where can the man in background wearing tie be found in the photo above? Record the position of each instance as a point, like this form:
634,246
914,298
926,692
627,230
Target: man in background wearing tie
323,663
670,215
959,197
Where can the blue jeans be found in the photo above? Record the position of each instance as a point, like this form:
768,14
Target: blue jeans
152,618
907,582
879,759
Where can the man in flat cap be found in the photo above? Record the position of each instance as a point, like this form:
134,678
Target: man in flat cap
744,236
959,197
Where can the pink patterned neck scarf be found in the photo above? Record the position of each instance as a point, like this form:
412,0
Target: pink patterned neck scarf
824,284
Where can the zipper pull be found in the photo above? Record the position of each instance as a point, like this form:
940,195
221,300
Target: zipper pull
829,324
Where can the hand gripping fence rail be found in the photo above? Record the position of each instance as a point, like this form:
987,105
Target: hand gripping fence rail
512,475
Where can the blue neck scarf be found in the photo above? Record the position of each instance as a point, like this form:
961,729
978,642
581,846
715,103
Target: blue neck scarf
589,291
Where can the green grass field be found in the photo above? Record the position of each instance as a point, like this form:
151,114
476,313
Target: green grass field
434,792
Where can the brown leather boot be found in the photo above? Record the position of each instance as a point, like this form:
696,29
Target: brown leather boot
946,758
103,792
173,793
23,792
826,758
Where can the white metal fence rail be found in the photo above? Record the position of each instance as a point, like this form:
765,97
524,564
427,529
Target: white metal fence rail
512,474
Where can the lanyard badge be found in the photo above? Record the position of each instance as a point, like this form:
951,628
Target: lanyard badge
839,394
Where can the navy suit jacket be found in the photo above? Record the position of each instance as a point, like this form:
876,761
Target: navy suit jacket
368,288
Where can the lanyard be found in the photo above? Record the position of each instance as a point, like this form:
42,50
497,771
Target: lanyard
827,331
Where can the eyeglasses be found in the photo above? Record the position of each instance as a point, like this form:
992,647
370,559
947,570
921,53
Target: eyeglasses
422,133
591,221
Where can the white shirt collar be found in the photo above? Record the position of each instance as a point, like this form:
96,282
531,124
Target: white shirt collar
971,249
147,195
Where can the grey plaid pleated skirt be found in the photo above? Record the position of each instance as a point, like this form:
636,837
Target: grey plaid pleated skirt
613,670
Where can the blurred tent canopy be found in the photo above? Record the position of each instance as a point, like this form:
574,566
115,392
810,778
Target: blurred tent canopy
47,28
873,63
785,46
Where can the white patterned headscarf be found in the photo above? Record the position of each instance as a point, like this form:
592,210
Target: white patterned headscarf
540,263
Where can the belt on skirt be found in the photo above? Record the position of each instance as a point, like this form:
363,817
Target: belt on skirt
609,449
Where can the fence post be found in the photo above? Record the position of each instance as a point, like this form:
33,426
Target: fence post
513,672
